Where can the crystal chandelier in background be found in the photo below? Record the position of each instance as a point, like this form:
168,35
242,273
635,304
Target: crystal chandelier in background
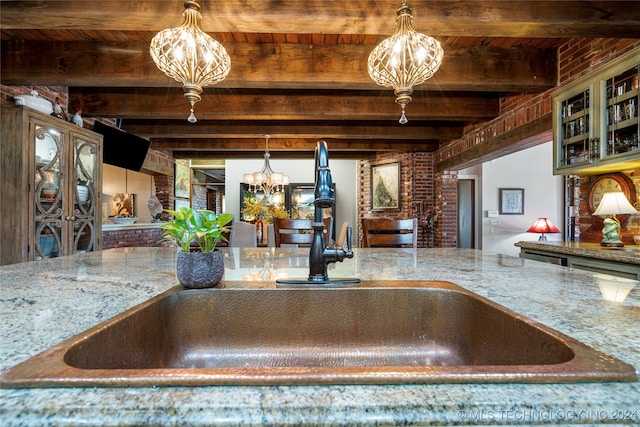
190,56
405,59
265,179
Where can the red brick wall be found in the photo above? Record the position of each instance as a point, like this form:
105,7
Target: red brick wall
416,186
132,238
164,191
580,56
446,224
199,197
424,194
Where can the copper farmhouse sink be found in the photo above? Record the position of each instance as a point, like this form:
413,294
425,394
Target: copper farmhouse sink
376,333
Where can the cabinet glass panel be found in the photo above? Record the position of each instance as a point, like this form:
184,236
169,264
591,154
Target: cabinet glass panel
575,130
622,113
84,195
253,204
302,197
300,203
48,192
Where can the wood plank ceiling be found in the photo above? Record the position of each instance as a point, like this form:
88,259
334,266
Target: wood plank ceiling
298,67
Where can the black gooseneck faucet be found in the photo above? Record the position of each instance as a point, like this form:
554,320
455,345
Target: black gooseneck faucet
322,255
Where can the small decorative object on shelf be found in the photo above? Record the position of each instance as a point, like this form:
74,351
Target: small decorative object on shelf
58,111
83,192
35,101
77,117
155,208
123,220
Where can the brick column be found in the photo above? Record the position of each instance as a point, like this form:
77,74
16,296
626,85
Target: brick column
446,206
164,191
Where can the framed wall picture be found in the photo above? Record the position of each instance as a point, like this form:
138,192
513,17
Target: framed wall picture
122,204
182,181
385,186
181,202
511,201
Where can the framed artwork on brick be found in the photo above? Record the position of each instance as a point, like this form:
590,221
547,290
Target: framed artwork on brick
182,180
511,201
178,203
385,186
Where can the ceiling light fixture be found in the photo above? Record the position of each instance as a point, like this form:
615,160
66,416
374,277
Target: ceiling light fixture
405,59
190,56
266,179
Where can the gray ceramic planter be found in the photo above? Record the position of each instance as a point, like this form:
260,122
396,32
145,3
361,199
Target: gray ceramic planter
199,269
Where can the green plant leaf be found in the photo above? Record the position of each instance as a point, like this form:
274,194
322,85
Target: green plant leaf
202,226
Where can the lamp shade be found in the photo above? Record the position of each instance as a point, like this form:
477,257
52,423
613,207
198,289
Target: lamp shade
543,225
614,203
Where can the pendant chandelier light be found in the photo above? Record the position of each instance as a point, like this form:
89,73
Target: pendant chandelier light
265,179
190,56
405,59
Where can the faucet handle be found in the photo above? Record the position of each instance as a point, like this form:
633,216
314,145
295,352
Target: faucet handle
349,235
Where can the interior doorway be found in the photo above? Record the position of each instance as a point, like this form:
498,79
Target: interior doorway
466,213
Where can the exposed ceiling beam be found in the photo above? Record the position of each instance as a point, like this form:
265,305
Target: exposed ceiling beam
271,66
306,154
435,17
257,146
156,103
288,129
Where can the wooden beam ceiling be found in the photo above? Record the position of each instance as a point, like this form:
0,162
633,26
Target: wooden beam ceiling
298,68
479,18
271,66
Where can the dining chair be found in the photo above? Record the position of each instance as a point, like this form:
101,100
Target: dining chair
298,231
390,233
243,235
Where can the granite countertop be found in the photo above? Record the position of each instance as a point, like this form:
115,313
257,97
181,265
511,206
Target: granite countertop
629,254
44,302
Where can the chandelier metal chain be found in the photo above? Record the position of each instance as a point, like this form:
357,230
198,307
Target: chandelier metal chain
405,59
190,56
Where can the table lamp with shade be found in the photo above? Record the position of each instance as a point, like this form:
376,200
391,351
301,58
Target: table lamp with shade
543,225
613,203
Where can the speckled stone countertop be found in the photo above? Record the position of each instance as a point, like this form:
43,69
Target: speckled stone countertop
628,254
45,302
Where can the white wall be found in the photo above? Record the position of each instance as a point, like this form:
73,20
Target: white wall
532,170
343,172
119,180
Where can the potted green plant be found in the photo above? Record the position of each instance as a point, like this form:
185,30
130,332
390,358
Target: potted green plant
196,233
